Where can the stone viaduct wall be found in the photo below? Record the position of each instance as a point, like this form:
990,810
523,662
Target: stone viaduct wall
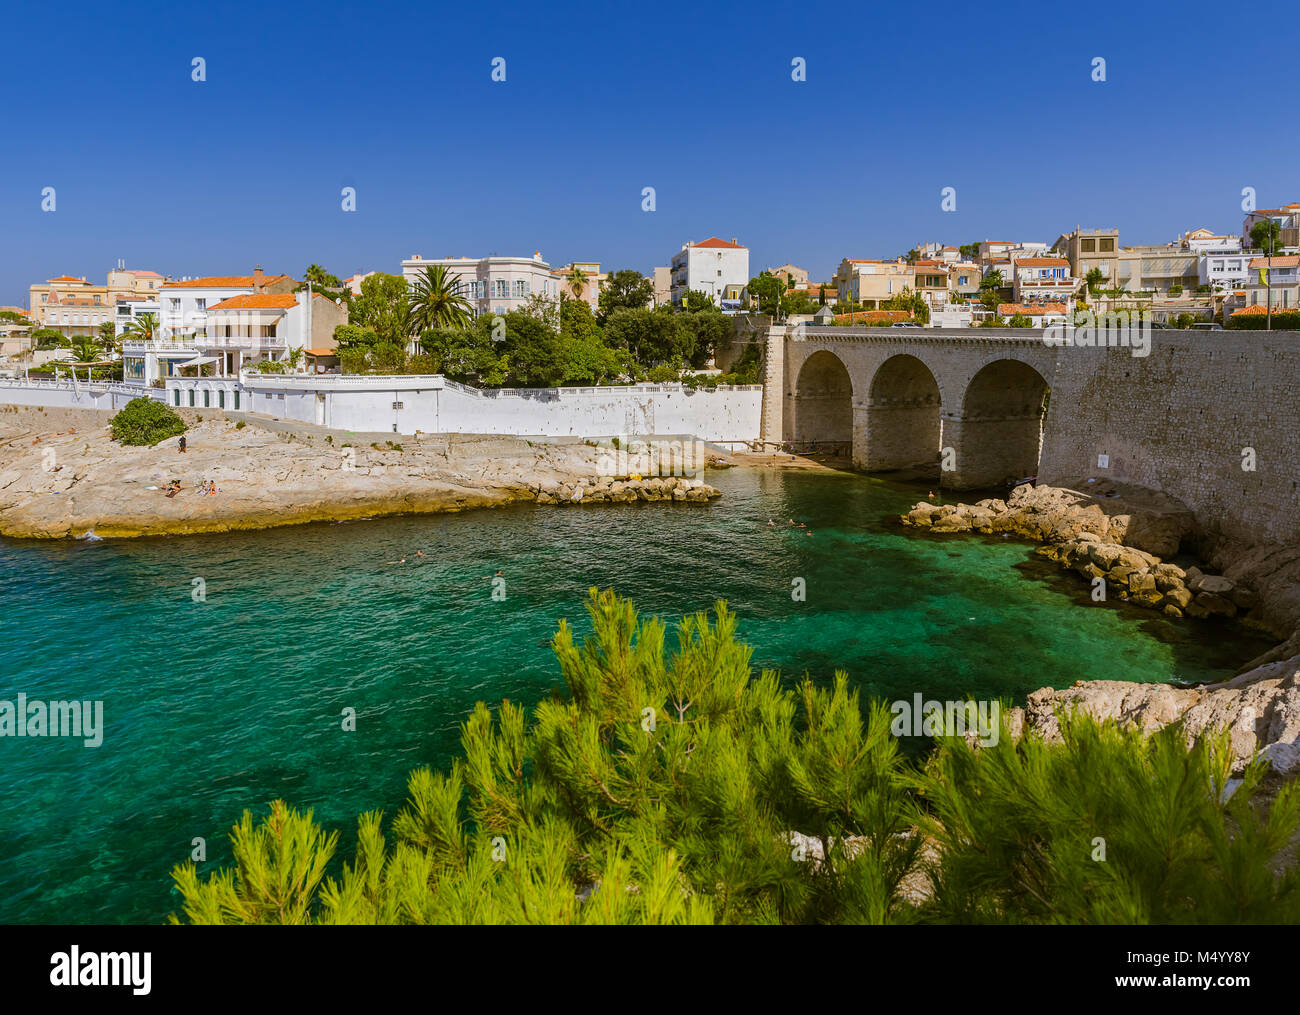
1180,421
897,398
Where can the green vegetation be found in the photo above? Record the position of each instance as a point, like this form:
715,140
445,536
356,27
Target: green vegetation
145,422
1283,320
663,785
142,328
543,344
436,301
1265,235
47,338
1094,280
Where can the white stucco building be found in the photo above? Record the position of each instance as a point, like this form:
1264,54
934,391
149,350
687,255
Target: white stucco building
226,323
709,267
492,285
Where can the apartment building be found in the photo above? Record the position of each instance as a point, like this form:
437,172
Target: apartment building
964,280
1223,269
930,281
1288,219
663,280
493,284
869,283
791,273
76,307
1275,282
1204,241
591,281
1087,249
1041,279
1157,268
709,267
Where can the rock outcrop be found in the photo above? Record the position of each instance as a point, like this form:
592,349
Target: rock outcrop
72,479
1259,709
1124,549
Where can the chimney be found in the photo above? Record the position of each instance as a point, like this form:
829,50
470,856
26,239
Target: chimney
258,283
735,241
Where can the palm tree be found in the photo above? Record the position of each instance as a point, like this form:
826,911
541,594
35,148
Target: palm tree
108,337
577,278
85,349
320,278
142,328
436,302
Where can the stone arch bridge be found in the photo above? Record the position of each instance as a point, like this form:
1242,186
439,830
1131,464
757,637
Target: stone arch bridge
970,402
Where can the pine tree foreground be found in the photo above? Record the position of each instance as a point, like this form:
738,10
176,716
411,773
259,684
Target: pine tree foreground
666,788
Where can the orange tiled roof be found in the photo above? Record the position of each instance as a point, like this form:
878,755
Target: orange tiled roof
1253,310
69,278
713,241
258,301
226,282
1009,309
1282,261
1043,262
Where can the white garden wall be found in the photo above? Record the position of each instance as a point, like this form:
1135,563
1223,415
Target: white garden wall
432,404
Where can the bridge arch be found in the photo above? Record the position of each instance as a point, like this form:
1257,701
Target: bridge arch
822,405
998,434
904,422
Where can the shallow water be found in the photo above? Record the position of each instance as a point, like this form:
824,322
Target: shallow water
217,706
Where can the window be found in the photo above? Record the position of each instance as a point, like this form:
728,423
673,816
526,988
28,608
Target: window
96,301
201,304
176,397
207,398
1107,245
501,288
174,305
521,288
236,399
1088,246
221,399
191,398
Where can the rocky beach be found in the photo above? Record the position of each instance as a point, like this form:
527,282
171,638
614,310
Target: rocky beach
62,475
1118,538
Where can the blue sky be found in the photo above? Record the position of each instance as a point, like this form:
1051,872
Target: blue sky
600,101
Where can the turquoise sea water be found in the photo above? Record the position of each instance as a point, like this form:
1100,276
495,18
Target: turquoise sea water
214,707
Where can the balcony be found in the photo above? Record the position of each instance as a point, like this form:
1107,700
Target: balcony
159,345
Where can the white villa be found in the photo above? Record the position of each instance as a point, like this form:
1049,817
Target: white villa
226,323
492,285
712,266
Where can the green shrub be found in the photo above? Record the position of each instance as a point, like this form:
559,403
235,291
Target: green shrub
144,421
680,774
1283,320
1110,826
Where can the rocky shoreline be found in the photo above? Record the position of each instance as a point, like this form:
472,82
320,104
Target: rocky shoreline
62,476
1116,538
